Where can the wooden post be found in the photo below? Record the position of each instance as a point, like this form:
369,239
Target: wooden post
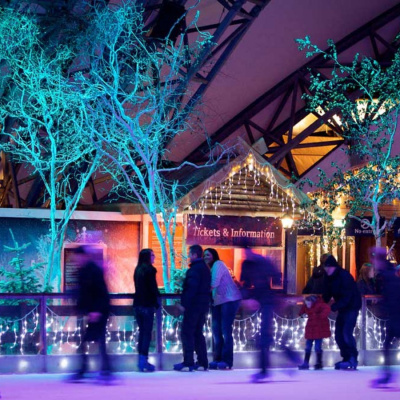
43,330
290,261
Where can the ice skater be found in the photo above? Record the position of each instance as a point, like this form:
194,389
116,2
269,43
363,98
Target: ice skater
146,301
390,303
195,304
340,286
226,300
94,303
317,328
258,274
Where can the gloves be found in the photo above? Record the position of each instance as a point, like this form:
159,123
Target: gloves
334,307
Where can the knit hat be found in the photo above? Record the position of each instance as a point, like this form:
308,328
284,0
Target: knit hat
312,297
331,262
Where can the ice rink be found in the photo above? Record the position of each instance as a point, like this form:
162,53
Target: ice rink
327,384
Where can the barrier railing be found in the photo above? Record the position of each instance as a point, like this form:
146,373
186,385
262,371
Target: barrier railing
47,324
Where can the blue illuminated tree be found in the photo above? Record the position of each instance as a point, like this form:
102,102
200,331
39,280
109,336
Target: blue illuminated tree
42,123
365,97
133,95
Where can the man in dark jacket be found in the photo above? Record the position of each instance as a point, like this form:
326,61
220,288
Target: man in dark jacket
94,303
340,286
195,304
316,283
390,304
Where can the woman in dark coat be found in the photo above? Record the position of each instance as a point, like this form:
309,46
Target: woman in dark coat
145,304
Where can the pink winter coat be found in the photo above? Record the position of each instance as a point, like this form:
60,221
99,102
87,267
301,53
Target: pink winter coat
317,324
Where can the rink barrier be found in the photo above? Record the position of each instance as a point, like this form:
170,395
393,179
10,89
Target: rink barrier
36,336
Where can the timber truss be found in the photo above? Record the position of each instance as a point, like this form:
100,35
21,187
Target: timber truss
295,141
233,18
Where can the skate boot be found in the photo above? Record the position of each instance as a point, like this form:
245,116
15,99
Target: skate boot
200,367
183,367
318,365
144,365
213,365
339,364
382,382
306,361
259,377
349,364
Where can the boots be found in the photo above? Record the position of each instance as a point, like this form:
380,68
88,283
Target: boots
383,381
144,365
306,361
351,363
318,365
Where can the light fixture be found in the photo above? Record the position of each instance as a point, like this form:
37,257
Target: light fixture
287,221
338,223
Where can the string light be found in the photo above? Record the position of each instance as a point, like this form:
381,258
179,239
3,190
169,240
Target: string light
22,329
250,173
122,332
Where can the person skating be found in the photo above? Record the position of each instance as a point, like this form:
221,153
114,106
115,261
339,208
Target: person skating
317,328
226,300
258,274
195,304
145,304
340,286
390,304
94,303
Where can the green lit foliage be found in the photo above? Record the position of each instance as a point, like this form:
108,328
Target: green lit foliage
133,94
365,96
43,124
16,277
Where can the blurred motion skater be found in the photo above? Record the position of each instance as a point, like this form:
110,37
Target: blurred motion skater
258,273
391,307
94,303
145,304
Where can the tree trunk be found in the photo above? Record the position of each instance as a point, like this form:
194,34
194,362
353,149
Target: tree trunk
164,255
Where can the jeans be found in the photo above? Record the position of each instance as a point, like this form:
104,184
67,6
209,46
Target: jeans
223,316
144,317
345,323
193,338
318,345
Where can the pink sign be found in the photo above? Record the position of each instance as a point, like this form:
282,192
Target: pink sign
234,231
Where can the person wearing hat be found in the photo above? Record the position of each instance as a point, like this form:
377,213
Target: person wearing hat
341,286
316,283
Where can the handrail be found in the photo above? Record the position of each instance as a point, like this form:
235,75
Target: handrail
42,299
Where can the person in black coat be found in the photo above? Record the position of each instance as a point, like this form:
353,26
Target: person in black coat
145,304
316,283
340,286
390,305
258,275
94,303
195,304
